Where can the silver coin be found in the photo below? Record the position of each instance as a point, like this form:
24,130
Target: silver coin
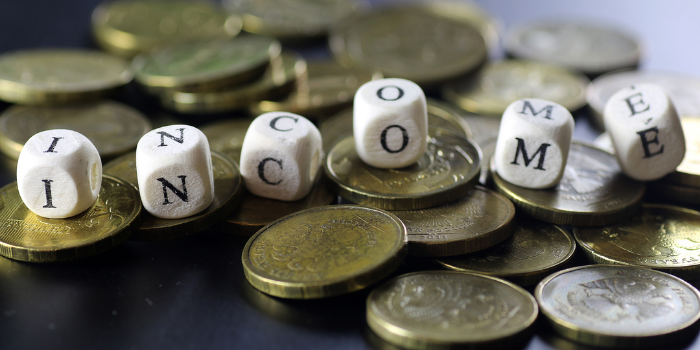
604,142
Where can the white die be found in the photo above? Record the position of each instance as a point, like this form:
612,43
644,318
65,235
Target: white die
533,143
59,173
390,123
281,156
645,130
173,166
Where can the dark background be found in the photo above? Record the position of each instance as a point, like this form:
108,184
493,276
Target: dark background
190,293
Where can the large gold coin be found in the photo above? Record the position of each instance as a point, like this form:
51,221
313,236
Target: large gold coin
688,172
416,43
279,80
592,192
501,83
60,76
448,310
26,236
479,220
447,171
205,65
533,251
661,237
485,131
326,251
227,136
619,306
131,27
227,193
112,127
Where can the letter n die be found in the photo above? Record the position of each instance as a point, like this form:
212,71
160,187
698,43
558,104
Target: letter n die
281,156
645,131
173,166
533,143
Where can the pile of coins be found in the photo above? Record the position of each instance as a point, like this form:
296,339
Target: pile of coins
483,242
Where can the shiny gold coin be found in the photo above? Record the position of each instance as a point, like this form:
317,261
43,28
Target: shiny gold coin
26,236
441,116
688,172
416,43
668,192
619,306
227,136
447,171
477,221
279,80
46,76
661,237
329,88
293,19
326,251
227,193
533,251
131,27
501,83
113,128
448,309
485,133
205,65
592,192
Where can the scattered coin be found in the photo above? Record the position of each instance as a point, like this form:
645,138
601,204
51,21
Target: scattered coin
325,251
448,309
619,306
688,172
669,192
227,136
485,133
28,237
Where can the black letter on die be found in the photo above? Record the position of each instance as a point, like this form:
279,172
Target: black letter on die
274,121
164,134
53,145
631,104
261,170
521,147
166,184
646,142
547,108
404,134
47,189
379,93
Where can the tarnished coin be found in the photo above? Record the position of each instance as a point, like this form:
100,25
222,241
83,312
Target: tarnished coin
447,171
279,80
131,27
205,65
533,251
592,192
46,76
503,82
485,133
683,90
227,136
113,128
325,251
26,236
619,306
293,19
589,48
479,220
227,194
688,172
328,89
661,237
443,117
448,310
417,43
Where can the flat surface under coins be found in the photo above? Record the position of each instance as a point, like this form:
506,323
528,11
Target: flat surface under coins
439,309
592,192
618,306
28,237
324,251
228,190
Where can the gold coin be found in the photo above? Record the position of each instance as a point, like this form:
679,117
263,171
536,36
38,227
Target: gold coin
477,221
293,19
44,76
205,65
534,251
131,27
227,194
668,192
485,133
441,116
619,306
325,251
26,236
592,192
279,80
227,136
501,83
688,172
447,171
448,309
329,88
660,237
113,128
